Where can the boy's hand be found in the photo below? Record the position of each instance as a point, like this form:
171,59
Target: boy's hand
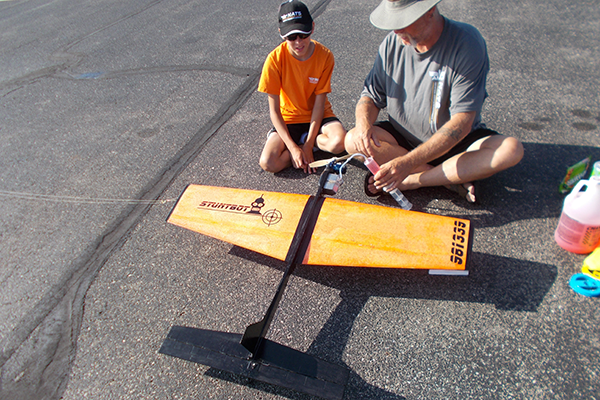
298,158
307,149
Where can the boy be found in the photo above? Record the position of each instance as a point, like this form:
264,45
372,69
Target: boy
297,77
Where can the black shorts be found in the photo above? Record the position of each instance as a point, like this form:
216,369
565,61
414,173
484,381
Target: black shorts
460,147
299,132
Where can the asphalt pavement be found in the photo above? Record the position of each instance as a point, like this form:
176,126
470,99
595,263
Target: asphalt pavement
109,109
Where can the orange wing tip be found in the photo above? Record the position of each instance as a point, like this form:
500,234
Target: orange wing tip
260,221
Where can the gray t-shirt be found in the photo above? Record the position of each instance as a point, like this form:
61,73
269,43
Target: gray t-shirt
423,90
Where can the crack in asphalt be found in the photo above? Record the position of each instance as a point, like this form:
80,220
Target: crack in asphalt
244,72
71,60
55,321
37,357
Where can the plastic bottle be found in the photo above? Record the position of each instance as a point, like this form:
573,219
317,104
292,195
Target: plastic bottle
595,170
395,193
578,229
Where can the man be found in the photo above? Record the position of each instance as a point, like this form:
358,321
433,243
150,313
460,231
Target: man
430,73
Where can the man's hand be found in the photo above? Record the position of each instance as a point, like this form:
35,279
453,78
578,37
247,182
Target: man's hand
393,173
364,138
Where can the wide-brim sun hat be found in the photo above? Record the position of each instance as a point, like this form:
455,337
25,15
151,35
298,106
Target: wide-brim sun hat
398,14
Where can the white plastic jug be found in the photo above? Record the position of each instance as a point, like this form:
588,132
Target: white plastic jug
578,229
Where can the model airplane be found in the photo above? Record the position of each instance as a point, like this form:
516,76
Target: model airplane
310,230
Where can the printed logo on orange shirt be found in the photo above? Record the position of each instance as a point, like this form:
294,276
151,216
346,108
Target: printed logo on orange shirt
313,80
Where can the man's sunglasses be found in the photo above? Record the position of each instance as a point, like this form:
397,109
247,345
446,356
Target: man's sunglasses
295,36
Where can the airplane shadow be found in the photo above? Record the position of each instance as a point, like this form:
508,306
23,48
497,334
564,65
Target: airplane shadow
526,191
360,388
507,283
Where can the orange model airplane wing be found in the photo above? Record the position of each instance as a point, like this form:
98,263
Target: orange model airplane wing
261,221
346,233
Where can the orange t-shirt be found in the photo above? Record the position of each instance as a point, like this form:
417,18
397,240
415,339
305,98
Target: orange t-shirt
297,83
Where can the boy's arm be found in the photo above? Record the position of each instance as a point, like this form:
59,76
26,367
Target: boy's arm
315,124
296,154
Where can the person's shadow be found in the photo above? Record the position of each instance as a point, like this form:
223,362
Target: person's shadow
528,190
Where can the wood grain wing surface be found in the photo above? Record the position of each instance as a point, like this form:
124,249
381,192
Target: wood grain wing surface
346,233
260,221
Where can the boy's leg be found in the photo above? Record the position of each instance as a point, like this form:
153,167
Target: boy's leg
275,156
331,138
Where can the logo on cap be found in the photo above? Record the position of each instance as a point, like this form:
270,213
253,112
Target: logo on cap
291,16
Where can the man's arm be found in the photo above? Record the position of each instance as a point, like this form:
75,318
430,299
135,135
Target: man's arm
394,172
366,114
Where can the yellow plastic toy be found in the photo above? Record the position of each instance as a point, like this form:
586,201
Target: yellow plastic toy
591,265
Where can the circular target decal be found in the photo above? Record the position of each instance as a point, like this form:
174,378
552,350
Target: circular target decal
271,217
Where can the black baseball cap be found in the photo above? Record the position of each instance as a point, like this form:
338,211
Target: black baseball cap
294,18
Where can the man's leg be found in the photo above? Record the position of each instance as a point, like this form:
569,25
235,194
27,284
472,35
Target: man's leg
275,156
387,150
332,137
484,158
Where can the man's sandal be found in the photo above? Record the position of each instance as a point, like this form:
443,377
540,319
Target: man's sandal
367,191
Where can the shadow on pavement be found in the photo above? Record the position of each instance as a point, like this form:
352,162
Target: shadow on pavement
527,191
507,283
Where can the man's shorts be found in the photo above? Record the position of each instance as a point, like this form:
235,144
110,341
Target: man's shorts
460,147
299,132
